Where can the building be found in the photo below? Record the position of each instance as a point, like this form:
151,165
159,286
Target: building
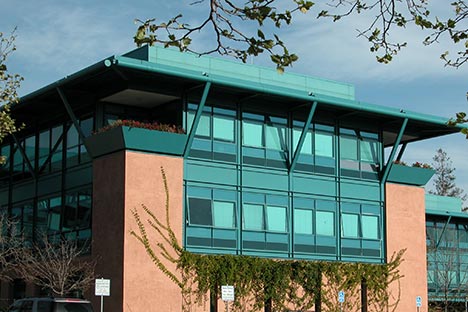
447,251
280,166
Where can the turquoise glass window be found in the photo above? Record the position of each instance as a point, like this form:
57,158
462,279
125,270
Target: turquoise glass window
307,145
462,234
30,148
48,215
72,146
349,148
41,217
350,225
275,137
84,209
54,214
370,227
56,133
44,146
276,219
203,128
252,134
324,144
253,217
369,151
303,221
87,126
70,217
56,161
325,223
17,160
72,136
223,214
200,211
223,128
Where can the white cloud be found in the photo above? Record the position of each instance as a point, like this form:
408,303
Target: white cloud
333,50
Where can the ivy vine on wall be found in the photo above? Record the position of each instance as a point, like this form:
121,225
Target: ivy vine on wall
281,284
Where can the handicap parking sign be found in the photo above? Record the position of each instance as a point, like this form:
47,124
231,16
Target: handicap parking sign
341,296
418,301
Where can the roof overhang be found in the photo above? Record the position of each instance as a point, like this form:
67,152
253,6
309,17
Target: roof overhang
124,78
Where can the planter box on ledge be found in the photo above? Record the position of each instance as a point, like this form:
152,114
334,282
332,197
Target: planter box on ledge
137,139
410,175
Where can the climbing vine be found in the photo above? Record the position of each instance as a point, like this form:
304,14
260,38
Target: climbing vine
283,284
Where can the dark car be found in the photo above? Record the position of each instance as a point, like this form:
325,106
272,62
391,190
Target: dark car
51,305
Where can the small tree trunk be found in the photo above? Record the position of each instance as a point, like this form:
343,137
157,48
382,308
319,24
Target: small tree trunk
364,295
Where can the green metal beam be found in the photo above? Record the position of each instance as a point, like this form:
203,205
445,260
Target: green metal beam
389,164
443,231
402,150
196,120
23,154
54,149
303,136
73,118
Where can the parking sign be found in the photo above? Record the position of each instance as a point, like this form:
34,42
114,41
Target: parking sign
341,296
418,301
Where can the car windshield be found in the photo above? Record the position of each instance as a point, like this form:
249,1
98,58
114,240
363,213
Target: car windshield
72,307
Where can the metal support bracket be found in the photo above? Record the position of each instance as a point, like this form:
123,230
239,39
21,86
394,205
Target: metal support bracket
74,119
303,136
402,150
196,120
23,154
389,164
443,231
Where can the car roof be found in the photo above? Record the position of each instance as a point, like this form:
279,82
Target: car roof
69,300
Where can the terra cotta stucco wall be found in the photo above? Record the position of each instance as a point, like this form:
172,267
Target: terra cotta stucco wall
124,181
406,229
145,287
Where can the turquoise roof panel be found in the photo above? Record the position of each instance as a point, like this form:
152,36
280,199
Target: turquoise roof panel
184,69
443,204
228,69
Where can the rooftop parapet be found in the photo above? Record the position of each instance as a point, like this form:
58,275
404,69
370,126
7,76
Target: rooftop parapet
228,69
444,205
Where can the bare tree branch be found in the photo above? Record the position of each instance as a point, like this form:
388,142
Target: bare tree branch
10,240
58,267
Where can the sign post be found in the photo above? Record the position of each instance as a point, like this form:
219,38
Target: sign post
418,302
102,288
341,299
227,294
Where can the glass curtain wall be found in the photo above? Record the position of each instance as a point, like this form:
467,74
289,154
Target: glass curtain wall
447,258
49,202
232,217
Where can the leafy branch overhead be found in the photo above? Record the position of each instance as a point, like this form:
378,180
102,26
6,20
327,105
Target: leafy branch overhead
243,30
223,19
460,118
9,84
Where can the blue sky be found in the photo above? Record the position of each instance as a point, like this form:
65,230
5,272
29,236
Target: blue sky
59,37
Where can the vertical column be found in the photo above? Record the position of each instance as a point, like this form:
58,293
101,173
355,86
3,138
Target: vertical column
108,226
406,229
145,287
